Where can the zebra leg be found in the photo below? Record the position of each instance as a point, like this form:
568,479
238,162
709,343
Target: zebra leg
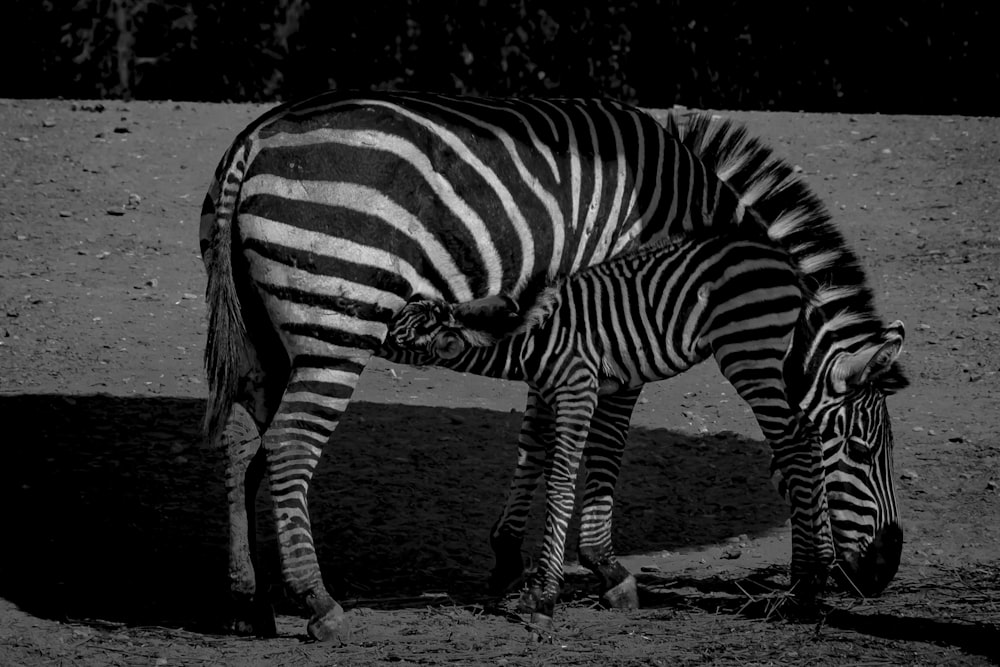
251,614
507,534
314,400
573,409
602,460
797,452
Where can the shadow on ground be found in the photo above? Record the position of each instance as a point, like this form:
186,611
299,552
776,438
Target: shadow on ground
763,594
116,512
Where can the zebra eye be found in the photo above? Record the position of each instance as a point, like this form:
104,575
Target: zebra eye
859,451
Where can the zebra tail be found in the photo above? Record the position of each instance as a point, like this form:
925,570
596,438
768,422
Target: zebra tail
227,348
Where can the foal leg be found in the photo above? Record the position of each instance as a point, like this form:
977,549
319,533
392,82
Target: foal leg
573,406
507,534
602,459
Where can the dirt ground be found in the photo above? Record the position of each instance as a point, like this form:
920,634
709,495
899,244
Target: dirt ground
113,550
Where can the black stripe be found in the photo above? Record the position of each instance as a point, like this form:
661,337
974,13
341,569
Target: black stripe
339,304
324,265
332,336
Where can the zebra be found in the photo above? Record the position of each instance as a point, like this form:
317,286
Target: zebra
646,315
326,215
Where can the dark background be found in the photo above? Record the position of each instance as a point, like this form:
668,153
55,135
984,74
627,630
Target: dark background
817,55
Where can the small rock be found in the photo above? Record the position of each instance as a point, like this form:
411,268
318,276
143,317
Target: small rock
189,295
982,310
797,169
909,475
121,129
49,122
152,282
115,211
643,400
65,214
732,553
956,439
918,429
991,485
887,151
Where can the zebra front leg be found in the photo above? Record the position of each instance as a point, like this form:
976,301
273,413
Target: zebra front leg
602,460
799,456
573,406
797,453
251,613
310,410
507,535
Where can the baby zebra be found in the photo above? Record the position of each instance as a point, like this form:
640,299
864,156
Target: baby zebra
649,315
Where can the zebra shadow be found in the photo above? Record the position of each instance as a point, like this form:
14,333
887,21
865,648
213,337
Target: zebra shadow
117,512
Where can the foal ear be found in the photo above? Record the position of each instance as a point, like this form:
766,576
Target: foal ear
448,345
861,367
494,314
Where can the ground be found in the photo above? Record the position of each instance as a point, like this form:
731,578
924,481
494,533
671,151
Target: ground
114,544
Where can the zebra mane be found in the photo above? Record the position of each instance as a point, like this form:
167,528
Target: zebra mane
794,217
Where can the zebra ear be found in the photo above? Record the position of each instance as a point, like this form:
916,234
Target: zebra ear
861,367
448,345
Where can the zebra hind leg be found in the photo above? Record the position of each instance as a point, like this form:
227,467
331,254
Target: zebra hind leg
507,534
602,459
319,389
250,612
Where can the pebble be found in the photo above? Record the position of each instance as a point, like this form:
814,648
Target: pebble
115,211
65,214
910,475
49,122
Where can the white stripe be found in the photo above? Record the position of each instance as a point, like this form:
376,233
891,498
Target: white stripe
338,404
306,417
613,223
325,375
296,434
595,195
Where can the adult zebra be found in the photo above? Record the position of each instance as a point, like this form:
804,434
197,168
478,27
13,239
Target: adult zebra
652,313
326,215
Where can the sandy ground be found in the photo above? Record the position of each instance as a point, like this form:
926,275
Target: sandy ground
114,551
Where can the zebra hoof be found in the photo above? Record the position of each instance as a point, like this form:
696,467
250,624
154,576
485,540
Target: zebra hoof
623,596
330,626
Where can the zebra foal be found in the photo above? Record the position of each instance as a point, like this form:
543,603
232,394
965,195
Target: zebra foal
644,316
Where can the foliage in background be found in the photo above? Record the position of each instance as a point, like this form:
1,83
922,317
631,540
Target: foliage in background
916,57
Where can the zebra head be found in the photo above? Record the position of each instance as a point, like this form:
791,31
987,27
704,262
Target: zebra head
426,330
847,403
